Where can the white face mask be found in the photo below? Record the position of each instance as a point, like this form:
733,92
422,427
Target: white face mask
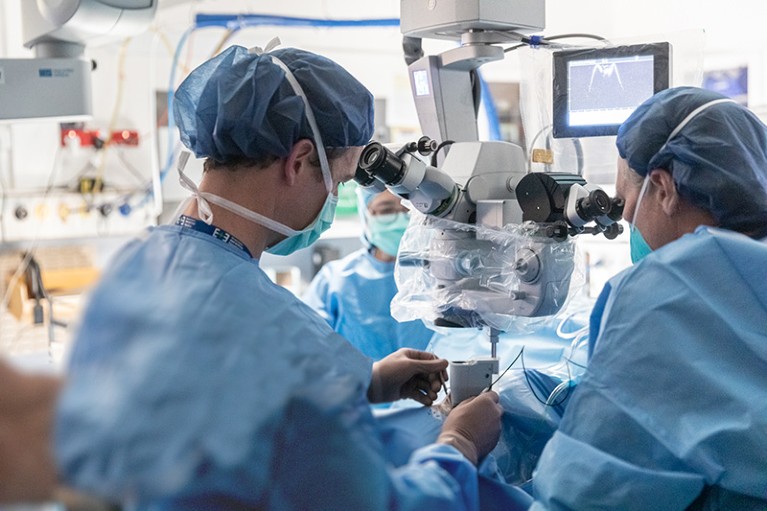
296,239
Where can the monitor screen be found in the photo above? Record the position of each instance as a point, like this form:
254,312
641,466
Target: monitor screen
595,90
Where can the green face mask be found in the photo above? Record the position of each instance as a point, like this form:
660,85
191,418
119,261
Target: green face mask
637,243
386,231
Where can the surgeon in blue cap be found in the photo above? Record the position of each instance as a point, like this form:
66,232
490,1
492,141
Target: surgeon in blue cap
671,411
354,294
197,383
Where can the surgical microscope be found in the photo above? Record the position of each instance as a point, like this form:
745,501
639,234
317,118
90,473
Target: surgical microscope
482,185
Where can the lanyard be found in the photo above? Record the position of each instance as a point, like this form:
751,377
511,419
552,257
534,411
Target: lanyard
220,234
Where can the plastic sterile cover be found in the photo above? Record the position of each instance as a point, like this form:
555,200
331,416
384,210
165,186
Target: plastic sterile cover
455,274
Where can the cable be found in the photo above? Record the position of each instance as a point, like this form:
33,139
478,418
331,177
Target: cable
548,401
494,124
545,41
444,143
507,368
573,36
133,170
115,110
512,48
570,335
253,20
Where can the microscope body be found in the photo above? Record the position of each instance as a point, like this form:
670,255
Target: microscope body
492,241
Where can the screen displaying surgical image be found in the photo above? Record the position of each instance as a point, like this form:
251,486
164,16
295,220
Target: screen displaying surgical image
596,89
606,91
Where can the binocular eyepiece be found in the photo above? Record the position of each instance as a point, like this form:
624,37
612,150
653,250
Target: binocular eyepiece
378,162
598,204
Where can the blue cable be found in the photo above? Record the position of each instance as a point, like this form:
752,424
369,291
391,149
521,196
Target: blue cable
493,124
233,21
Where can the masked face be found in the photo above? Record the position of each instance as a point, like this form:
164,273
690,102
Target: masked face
385,221
295,239
385,231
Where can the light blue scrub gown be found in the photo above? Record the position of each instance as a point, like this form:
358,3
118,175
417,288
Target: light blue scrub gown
672,411
197,383
354,295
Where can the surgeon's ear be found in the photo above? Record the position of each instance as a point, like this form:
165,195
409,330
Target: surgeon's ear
298,161
663,184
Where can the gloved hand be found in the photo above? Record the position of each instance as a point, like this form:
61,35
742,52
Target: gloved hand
407,373
27,404
474,426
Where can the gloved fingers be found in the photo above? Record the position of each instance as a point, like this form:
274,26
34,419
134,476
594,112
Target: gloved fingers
434,382
416,354
432,368
420,390
425,362
424,400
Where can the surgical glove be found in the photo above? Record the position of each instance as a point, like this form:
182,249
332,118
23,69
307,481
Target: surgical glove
474,426
27,405
407,373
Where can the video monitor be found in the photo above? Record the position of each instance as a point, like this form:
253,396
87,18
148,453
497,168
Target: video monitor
596,89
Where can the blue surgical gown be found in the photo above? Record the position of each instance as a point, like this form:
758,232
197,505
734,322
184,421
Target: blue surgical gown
353,294
672,411
197,383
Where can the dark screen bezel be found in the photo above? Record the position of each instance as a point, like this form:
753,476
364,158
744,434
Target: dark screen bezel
661,53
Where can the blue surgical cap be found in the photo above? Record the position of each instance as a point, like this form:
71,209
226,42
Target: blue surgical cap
718,160
240,105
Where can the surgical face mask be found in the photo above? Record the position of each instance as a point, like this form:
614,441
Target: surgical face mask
637,243
309,235
295,239
385,231
639,247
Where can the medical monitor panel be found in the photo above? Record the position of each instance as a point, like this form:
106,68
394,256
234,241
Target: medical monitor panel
596,89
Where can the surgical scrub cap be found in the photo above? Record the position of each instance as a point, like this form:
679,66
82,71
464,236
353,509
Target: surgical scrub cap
240,105
718,159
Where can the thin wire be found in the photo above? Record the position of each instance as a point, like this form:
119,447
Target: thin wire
570,335
522,350
573,362
546,402
512,48
115,110
573,36
133,170
544,41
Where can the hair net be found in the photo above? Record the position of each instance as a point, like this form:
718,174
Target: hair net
240,105
718,159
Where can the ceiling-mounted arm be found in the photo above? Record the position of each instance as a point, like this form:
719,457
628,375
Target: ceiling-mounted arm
57,83
442,85
62,28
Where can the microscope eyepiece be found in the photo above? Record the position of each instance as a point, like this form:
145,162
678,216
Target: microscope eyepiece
597,204
381,163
